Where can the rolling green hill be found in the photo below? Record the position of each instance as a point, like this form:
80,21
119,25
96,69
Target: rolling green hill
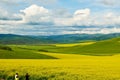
105,47
14,52
100,48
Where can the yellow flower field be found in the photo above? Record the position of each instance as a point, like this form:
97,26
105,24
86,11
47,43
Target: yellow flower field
73,44
68,67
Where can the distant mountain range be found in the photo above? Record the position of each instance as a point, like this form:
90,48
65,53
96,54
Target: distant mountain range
69,38
20,39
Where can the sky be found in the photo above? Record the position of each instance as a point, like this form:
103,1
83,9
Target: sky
59,17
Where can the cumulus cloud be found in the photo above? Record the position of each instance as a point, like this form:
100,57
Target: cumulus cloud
83,13
80,16
112,18
77,18
36,15
56,21
106,19
84,17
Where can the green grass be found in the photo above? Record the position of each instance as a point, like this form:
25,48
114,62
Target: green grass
100,48
21,53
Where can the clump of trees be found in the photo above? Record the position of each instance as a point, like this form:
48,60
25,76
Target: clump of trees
6,48
42,50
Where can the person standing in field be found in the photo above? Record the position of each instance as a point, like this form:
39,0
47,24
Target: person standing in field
27,76
16,76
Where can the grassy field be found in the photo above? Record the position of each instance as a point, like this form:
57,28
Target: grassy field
100,48
79,61
20,52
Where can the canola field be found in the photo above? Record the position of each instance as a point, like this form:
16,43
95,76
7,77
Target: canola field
67,67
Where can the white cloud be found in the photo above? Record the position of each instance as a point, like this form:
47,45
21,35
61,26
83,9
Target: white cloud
84,17
41,16
80,16
44,17
64,21
106,19
112,18
93,31
9,22
5,15
111,3
36,14
7,18
110,30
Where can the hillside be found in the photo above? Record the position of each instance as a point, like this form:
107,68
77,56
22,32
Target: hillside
20,39
105,47
73,38
69,38
14,52
100,48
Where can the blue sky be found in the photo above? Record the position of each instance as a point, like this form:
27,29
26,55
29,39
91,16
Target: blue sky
56,17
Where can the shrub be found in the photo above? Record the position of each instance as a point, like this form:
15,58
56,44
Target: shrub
6,48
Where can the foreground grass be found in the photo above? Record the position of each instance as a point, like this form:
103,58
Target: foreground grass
69,67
